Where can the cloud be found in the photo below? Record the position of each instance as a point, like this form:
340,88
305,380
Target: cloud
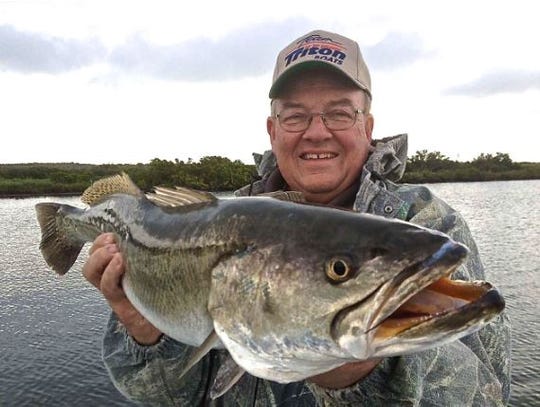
246,52
395,51
31,52
498,82
249,51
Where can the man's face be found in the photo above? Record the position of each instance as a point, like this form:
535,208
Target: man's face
319,162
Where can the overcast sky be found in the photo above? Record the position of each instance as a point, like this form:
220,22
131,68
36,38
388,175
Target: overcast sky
116,81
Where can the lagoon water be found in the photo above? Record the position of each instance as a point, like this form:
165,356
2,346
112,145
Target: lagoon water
51,327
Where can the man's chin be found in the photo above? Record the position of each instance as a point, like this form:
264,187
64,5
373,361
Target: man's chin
319,184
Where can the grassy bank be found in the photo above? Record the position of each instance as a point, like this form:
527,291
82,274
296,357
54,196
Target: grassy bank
221,174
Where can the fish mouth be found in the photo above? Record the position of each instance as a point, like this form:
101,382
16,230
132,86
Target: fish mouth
443,301
422,307
440,310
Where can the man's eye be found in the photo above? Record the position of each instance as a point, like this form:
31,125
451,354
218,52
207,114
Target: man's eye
339,115
294,117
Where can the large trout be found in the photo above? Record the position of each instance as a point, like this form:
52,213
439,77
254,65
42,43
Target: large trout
292,290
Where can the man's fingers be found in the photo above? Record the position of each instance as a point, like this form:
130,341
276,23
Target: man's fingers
110,285
96,263
101,241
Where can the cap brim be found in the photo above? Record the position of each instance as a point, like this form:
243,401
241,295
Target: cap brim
277,86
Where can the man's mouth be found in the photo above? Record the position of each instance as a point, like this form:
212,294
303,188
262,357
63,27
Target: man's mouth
318,156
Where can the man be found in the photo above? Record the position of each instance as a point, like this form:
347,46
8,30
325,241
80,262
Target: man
320,131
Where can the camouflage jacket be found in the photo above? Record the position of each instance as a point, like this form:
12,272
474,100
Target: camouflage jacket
473,371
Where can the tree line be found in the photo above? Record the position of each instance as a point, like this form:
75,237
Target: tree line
215,173
427,166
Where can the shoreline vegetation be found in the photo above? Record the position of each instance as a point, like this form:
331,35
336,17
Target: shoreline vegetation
215,173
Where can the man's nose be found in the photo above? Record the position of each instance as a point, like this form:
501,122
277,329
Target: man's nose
317,130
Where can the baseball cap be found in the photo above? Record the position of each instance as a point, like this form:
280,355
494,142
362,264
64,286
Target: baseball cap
326,49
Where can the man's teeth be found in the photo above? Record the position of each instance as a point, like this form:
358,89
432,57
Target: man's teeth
311,156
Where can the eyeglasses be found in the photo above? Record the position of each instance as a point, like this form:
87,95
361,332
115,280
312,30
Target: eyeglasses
295,120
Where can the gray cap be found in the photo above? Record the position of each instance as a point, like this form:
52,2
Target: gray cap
322,48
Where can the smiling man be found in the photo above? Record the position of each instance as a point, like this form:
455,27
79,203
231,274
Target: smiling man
320,130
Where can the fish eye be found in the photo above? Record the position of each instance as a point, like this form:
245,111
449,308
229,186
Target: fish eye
338,270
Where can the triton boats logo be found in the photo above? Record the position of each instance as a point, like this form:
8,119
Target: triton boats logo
317,47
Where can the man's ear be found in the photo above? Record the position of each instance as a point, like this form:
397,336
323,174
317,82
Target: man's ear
270,128
368,126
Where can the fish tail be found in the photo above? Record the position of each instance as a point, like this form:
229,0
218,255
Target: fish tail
59,249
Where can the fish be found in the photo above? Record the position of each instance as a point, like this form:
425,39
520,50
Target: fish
290,289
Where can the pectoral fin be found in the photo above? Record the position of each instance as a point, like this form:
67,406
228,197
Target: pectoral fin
227,376
199,353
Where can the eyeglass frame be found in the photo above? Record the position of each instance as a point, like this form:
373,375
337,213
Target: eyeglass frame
322,115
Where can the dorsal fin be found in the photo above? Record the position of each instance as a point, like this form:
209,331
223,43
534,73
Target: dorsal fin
179,196
120,183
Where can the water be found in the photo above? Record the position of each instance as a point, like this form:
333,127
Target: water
504,218
51,327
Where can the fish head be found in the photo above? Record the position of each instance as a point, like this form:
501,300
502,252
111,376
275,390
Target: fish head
341,287
419,308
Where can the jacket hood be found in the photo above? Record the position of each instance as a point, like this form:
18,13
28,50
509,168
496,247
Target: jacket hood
388,157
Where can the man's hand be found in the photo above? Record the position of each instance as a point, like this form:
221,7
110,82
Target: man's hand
346,375
104,269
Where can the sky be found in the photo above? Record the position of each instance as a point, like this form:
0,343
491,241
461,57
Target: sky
127,81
